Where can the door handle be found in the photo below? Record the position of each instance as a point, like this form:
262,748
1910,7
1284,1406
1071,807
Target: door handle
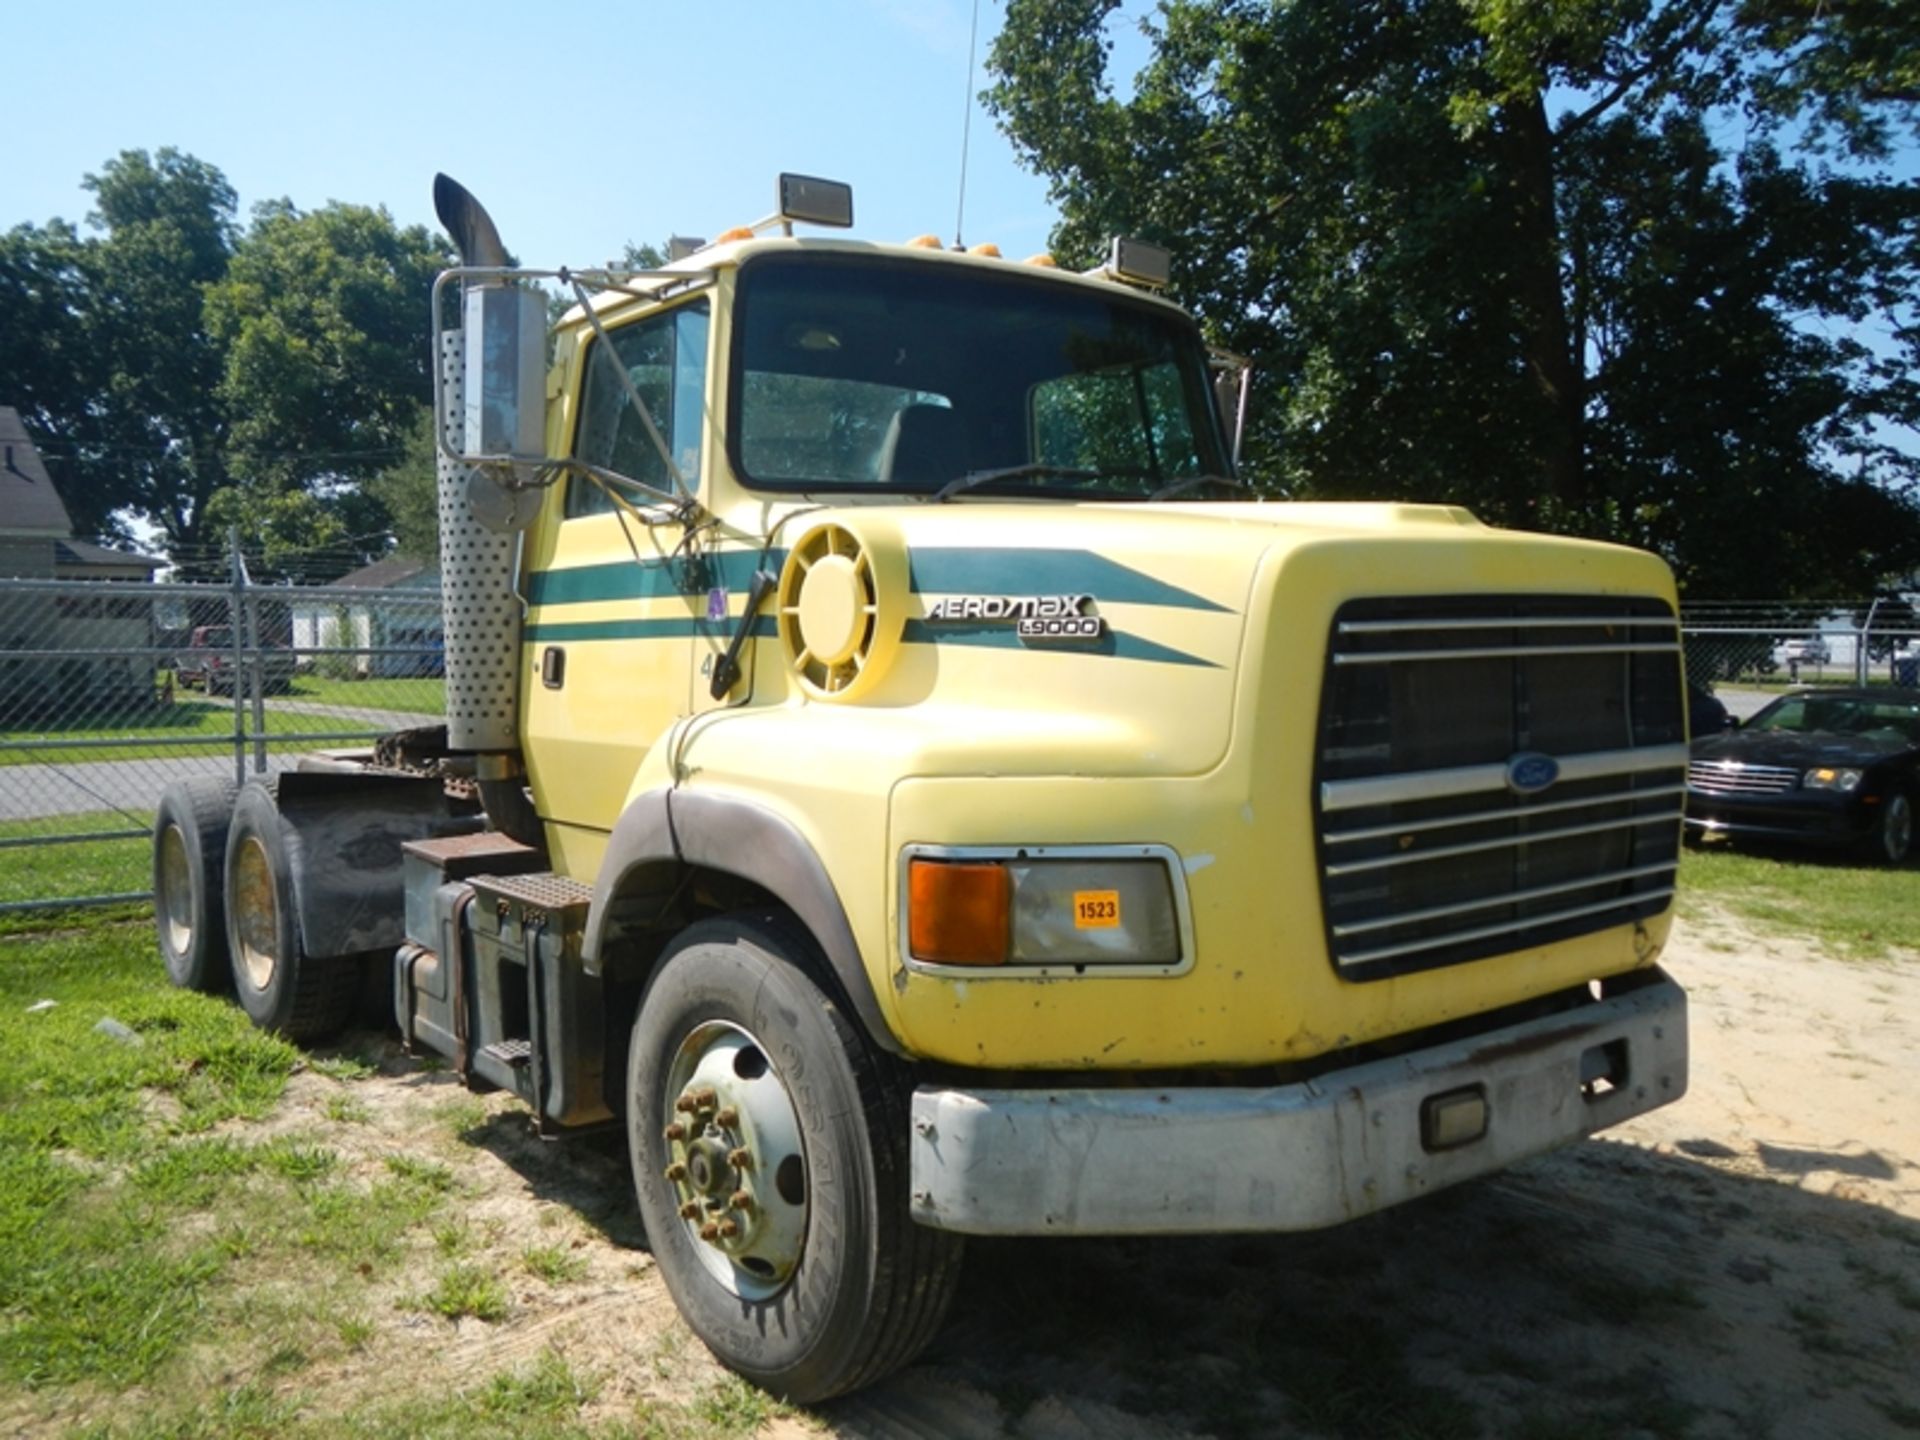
553,667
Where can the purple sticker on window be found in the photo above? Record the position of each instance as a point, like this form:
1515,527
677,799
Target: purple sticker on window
716,604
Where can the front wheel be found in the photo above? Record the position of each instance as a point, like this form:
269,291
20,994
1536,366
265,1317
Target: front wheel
770,1160
1893,835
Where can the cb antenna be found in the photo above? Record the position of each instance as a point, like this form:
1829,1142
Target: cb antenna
966,125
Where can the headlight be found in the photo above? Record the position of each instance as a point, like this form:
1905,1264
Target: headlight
1827,778
1025,909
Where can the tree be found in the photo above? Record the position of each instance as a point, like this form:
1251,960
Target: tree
166,359
1491,252
44,363
108,353
409,491
324,320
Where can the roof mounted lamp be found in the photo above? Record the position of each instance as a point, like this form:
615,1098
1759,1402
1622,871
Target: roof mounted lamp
1136,262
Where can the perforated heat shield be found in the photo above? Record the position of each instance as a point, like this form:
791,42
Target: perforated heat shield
482,610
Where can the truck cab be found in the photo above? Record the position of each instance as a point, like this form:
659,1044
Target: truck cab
928,794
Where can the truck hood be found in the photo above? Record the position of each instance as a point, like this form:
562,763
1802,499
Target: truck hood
1173,587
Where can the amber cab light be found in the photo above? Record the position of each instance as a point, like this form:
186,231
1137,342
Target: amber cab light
959,914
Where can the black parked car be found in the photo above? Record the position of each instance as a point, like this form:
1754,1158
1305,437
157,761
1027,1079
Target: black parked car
1831,766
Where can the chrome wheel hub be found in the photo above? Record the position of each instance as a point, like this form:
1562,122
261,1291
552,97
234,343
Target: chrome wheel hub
175,900
256,914
735,1161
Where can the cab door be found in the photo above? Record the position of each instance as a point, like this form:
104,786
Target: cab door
613,597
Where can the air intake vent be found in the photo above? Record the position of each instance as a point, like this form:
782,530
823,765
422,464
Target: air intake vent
1495,773
842,607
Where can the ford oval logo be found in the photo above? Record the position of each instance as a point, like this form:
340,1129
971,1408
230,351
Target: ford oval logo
1530,772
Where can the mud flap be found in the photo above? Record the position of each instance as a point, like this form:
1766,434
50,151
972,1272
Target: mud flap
346,832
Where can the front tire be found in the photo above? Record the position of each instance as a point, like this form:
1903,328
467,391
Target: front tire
769,1151
1893,836
189,875
278,984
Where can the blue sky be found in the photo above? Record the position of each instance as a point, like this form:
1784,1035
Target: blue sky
579,126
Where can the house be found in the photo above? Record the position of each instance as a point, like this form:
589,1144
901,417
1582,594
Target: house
68,648
384,618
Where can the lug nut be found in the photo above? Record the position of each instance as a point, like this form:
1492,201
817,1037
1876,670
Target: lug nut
709,1231
676,1172
741,1158
685,1105
676,1131
728,1229
690,1209
705,1099
740,1200
727,1118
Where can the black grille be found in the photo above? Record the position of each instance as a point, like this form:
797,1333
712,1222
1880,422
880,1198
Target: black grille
1430,855
1730,777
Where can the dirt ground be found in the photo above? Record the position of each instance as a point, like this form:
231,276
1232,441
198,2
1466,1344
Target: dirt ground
1745,1263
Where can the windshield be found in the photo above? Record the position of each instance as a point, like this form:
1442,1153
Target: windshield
1842,715
859,373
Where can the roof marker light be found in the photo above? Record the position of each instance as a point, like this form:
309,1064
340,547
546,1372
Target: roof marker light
814,201
1139,263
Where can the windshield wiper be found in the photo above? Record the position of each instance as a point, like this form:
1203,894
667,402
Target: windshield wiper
1193,482
974,479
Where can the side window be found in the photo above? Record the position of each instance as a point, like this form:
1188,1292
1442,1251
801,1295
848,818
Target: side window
666,359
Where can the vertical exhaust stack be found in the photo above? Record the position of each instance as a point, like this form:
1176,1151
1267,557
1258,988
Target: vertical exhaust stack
493,396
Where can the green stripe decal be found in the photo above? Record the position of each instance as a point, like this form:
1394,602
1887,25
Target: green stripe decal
934,571
1046,572
1005,637
918,632
683,627
652,579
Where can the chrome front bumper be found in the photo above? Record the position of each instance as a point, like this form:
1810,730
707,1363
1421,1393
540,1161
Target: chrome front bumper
1288,1157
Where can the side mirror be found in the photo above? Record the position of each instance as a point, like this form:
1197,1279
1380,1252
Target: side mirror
495,422
1232,375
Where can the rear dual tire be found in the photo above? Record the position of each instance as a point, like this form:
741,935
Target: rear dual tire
189,881
279,985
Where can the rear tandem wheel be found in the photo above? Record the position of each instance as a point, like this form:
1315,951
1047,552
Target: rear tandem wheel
279,985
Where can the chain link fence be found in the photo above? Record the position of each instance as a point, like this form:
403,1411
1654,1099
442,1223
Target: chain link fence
1745,653
111,690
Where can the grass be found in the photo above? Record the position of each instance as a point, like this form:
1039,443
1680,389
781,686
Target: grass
1856,910
88,867
465,1289
554,1264
1623,1299
425,695
101,1278
139,1215
207,723
546,1399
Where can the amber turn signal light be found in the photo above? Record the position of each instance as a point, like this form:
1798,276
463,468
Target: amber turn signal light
959,914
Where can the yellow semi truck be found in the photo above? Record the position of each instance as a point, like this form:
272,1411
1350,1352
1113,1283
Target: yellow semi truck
896,771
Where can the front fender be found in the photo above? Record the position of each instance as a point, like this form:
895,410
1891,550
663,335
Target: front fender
665,831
